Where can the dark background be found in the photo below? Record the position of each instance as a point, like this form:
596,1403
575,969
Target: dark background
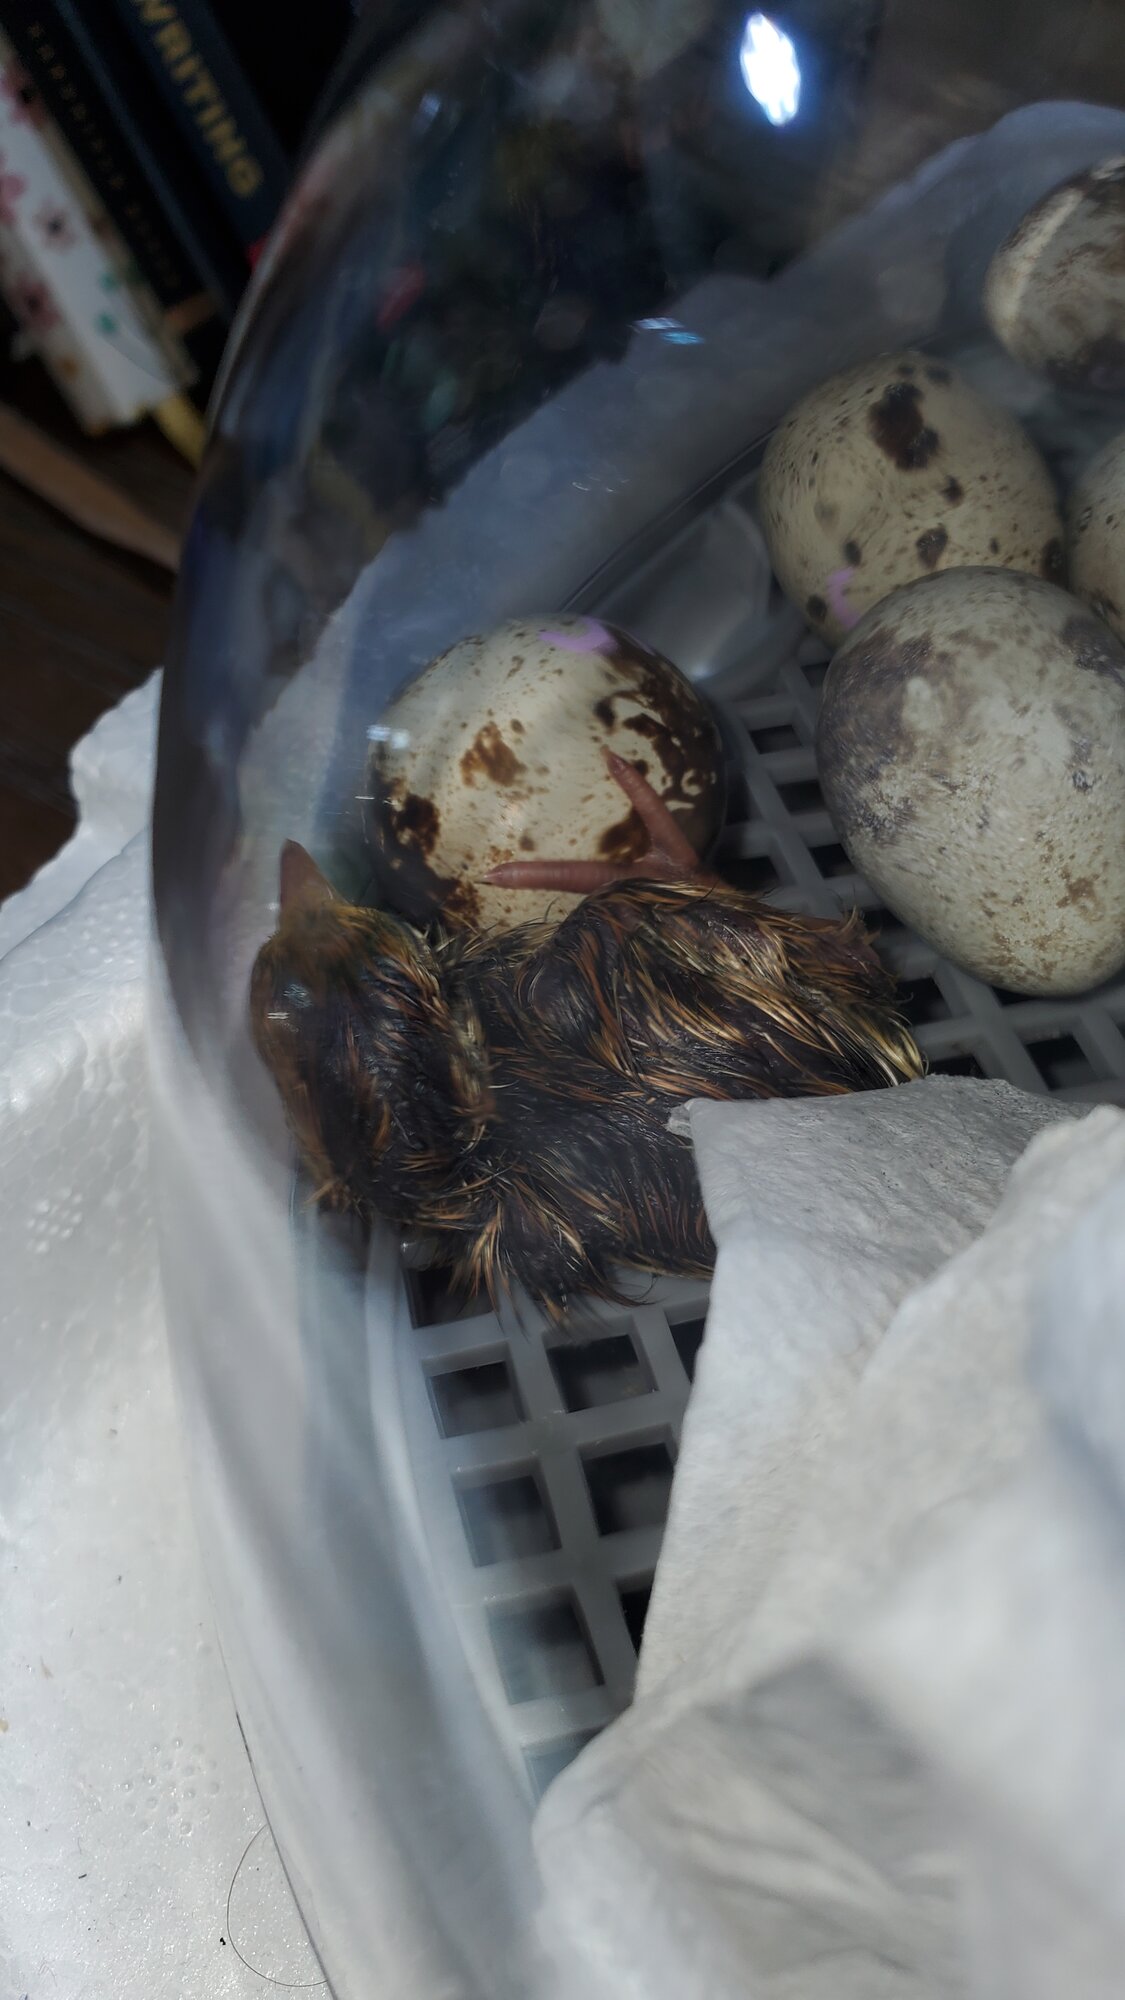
80,623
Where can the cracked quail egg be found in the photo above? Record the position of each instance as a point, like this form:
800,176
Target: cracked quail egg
894,470
1096,534
971,747
496,753
1054,292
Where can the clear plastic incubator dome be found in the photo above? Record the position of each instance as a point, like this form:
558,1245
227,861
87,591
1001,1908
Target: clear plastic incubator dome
647,425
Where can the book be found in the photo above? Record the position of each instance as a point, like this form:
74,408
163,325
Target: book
237,152
123,91
55,71
65,275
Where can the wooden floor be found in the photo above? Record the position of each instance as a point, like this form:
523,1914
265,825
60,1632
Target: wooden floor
80,623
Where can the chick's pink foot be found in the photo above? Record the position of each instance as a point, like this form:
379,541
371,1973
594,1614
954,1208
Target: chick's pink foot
670,857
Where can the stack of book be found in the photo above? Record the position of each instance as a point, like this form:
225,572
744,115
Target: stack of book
144,153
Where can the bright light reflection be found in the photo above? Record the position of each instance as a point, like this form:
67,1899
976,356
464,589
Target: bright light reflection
770,69
671,330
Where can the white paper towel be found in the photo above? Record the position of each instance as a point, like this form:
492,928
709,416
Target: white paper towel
111,778
826,1214
134,1859
891,1567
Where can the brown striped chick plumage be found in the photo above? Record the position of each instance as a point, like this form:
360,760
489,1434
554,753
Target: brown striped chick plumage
509,1095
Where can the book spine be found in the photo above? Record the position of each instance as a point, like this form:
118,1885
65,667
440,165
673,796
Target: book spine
71,299
55,70
215,109
221,270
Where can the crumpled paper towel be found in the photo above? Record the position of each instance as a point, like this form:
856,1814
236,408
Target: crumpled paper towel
856,1764
127,1795
111,778
826,1214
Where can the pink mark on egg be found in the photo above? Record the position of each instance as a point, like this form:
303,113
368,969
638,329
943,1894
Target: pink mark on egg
836,591
589,639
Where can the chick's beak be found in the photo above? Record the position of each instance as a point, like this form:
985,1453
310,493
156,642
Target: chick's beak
302,885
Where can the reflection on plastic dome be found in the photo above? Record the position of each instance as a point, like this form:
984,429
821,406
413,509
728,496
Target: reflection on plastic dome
585,699
770,68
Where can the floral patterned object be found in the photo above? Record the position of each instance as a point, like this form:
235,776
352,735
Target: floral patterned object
21,97
55,226
12,189
67,277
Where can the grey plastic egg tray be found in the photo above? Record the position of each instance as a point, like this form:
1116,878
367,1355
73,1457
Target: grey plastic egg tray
544,1466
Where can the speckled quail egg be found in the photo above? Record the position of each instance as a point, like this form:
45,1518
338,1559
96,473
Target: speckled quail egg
1054,292
891,471
496,753
1096,534
971,746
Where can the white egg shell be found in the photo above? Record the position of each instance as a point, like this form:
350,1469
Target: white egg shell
1054,292
1096,534
971,747
894,470
497,753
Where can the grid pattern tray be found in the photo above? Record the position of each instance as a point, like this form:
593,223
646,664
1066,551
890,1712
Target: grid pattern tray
543,1470
545,1467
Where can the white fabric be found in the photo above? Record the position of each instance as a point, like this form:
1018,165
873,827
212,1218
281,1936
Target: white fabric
878,1732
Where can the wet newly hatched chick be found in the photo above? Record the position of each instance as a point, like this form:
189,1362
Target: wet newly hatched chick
509,1095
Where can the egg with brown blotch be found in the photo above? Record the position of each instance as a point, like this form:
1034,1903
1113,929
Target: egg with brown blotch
893,470
1096,534
971,750
1054,291
497,753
